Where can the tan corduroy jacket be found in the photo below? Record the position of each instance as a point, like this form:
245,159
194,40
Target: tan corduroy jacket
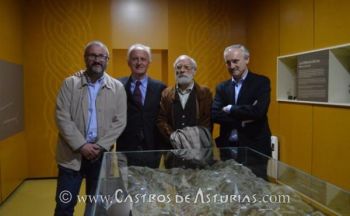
72,117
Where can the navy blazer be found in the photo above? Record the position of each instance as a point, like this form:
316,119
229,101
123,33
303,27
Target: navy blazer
129,140
248,116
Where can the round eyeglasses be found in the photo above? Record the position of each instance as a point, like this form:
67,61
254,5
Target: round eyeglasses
93,57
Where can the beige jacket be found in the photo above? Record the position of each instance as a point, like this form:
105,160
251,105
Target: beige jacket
72,117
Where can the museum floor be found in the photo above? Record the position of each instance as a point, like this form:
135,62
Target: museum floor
34,197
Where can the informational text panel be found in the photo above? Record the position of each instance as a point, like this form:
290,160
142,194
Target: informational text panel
312,76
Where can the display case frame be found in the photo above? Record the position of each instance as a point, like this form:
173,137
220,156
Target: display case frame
321,195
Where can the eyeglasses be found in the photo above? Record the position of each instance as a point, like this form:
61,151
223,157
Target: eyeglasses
179,67
93,57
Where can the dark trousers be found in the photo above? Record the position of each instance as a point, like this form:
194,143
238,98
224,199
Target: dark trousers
68,186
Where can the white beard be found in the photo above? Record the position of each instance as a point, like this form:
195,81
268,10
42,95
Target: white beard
184,79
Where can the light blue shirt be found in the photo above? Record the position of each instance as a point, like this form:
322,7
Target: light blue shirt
238,85
91,132
143,87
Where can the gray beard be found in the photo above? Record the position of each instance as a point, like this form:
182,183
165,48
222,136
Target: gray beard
184,80
97,69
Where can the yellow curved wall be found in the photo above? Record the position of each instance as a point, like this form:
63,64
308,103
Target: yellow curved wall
312,138
50,40
62,28
55,35
296,33
13,151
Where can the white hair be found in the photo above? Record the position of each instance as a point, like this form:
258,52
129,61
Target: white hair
139,47
97,43
182,57
237,46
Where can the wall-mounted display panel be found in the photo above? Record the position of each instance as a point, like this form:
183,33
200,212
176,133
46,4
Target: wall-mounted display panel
318,76
11,99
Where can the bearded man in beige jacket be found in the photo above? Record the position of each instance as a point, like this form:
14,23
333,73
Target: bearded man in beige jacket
90,116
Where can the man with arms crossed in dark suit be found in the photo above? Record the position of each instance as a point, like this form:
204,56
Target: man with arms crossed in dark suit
240,107
143,95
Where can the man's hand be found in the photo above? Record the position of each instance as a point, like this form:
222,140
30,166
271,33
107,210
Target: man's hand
227,109
245,122
90,151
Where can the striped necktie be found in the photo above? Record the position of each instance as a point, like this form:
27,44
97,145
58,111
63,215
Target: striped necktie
137,93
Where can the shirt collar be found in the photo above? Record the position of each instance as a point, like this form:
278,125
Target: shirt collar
187,90
143,81
244,76
86,80
100,81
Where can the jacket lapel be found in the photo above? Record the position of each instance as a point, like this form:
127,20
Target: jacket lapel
127,88
229,91
149,93
85,99
244,89
129,93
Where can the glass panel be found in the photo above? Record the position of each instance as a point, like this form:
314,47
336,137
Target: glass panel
191,182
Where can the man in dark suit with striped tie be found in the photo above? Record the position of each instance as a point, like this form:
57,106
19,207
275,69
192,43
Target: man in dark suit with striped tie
240,106
143,97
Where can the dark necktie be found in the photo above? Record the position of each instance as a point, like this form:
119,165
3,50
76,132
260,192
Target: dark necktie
137,93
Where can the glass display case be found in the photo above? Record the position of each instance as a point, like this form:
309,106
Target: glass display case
240,181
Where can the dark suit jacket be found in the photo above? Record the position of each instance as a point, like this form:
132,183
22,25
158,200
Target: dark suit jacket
252,104
141,119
